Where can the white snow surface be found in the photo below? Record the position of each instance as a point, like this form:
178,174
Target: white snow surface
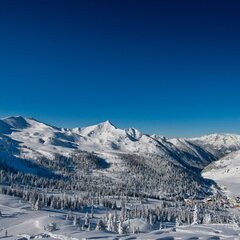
226,172
19,221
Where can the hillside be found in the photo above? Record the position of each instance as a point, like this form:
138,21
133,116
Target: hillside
226,172
33,147
103,182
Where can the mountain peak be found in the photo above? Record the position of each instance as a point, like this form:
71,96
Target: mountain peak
107,124
13,117
19,122
159,138
133,133
103,127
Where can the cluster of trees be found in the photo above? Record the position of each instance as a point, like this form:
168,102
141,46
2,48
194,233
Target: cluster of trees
140,177
163,178
149,176
39,199
78,161
165,211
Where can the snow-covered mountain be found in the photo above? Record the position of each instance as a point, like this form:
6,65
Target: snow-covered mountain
219,144
194,154
33,138
24,138
106,137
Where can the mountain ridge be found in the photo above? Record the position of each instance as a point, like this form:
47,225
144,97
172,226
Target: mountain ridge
31,139
106,136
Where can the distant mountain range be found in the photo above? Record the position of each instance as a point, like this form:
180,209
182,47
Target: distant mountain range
27,138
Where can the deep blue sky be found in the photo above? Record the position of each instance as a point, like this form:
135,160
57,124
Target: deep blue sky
166,67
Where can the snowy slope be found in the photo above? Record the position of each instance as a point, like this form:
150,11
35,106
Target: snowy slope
106,137
226,172
38,138
194,154
28,138
35,139
152,161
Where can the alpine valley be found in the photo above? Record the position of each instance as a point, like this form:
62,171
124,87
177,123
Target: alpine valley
104,182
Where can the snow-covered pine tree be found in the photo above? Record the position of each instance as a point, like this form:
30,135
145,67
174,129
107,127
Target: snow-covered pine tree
195,215
37,205
120,227
207,218
86,220
110,222
75,220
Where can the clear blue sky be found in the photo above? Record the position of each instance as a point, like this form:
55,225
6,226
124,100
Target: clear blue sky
162,66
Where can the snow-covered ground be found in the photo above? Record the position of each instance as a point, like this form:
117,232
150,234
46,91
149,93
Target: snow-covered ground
19,221
24,141
226,172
